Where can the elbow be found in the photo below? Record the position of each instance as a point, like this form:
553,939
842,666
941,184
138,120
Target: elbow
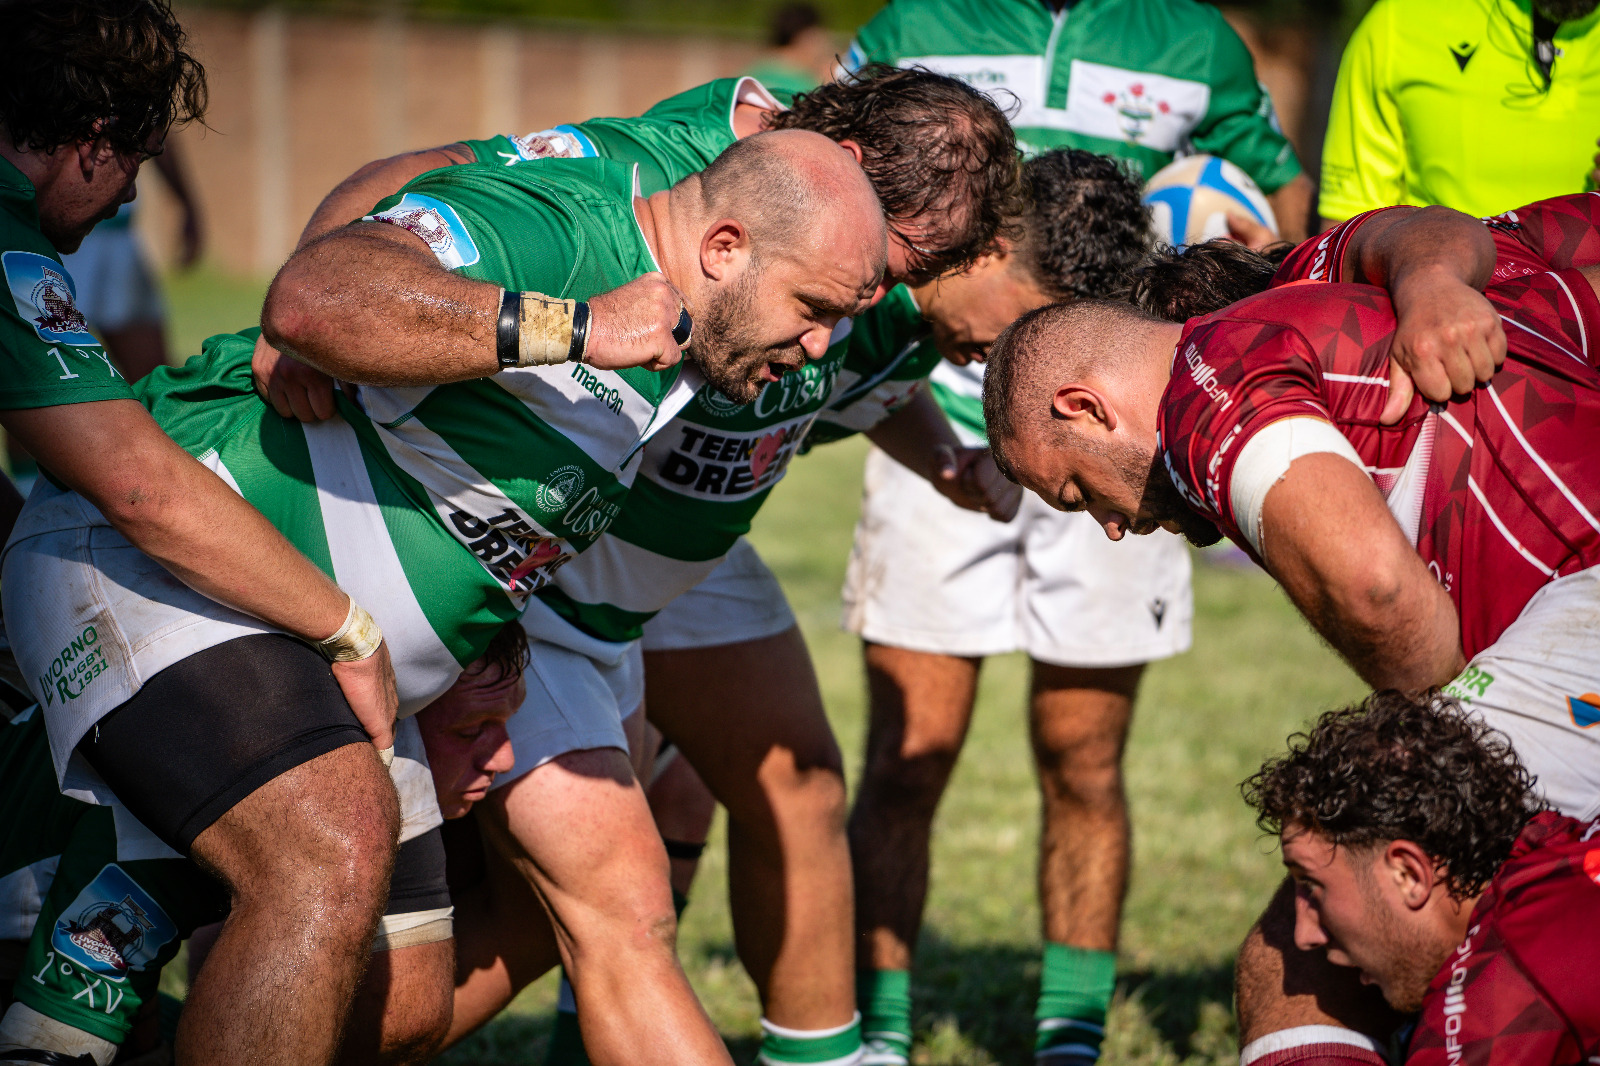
288,320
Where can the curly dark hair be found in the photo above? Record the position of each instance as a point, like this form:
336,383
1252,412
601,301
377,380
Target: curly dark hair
940,154
75,70
1178,284
1085,227
1402,766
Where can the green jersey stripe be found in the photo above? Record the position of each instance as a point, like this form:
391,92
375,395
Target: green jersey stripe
271,468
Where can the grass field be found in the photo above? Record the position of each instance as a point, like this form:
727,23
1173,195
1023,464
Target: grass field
1201,871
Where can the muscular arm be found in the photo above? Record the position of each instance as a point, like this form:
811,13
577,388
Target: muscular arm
919,438
187,519
355,196
1341,557
370,304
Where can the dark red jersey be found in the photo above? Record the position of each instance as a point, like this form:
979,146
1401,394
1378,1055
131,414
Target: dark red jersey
1498,490
1553,234
1523,989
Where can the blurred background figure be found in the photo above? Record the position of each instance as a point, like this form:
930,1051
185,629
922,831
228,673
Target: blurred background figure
117,290
802,53
1476,106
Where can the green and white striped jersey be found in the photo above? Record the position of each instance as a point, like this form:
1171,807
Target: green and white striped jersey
709,471
472,494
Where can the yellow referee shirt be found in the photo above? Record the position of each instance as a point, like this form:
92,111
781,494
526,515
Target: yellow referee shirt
1442,102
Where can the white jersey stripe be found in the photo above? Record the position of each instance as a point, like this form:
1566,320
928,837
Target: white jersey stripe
1483,502
1583,333
367,565
624,575
1355,379
1450,420
1554,344
213,462
1539,459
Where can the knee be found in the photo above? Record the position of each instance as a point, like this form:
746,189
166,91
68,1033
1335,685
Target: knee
804,791
403,1011
912,776
1092,784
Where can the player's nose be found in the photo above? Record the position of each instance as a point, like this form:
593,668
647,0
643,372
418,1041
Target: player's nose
501,757
1308,932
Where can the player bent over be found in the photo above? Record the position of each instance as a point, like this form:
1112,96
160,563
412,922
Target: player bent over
702,478
98,906
1421,857
1466,533
90,88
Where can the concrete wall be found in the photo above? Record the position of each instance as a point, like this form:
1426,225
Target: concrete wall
300,101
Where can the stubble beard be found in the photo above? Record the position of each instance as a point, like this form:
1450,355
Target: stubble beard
1159,499
725,346
1410,960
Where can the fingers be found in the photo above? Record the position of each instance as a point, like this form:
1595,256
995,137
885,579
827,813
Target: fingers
1400,394
641,323
945,463
1249,232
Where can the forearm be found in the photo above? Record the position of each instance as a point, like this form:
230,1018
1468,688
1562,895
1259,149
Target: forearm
370,305
912,435
356,195
1435,240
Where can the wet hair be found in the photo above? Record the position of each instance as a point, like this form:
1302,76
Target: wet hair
1085,226
508,649
936,150
75,70
1402,766
1180,284
790,21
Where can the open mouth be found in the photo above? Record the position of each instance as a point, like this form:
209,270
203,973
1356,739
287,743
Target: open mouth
776,370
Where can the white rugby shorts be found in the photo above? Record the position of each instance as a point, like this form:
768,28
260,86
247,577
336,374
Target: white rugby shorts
929,576
115,286
738,601
1539,684
579,691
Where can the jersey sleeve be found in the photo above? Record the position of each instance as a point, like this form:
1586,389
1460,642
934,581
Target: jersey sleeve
1482,1011
876,42
1562,232
1363,155
1239,124
1322,258
48,356
1231,378
463,224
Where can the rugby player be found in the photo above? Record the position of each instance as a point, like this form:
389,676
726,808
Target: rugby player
1463,537
1421,857
766,748
60,856
88,90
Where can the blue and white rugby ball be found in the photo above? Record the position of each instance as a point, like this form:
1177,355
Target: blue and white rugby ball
1189,200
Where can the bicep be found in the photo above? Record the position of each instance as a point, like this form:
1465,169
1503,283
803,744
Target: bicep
73,442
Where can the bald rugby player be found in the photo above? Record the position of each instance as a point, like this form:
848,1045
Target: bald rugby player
765,744
452,503
1464,533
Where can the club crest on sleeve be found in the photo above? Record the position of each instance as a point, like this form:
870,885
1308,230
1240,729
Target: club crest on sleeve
113,926
437,223
46,298
558,142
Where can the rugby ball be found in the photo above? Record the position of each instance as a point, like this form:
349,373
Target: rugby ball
1189,200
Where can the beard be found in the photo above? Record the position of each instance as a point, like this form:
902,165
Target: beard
1411,960
726,347
1565,10
1159,499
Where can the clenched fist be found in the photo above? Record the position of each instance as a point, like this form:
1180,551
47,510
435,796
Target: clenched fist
1448,338
632,325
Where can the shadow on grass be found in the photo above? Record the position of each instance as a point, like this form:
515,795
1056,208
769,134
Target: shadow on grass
973,1006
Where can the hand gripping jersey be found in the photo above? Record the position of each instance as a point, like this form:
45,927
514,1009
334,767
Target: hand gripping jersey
47,354
1139,81
1498,490
439,509
1520,990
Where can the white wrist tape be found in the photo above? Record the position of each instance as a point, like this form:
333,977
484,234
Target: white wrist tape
1265,458
25,1028
358,638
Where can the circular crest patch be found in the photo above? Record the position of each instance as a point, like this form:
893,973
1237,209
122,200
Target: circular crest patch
714,401
561,486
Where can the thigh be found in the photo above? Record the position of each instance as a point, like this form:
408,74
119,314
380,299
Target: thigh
1090,601
574,703
925,574
1539,684
732,707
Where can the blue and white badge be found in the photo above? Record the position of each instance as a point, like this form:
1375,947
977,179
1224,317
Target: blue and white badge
113,926
558,142
47,298
437,223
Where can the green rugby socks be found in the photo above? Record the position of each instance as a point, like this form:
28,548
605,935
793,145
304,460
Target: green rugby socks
840,1046
1074,993
885,1000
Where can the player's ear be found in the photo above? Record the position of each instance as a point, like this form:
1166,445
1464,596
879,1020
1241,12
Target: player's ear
1084,404
852,147
724,248
1412,872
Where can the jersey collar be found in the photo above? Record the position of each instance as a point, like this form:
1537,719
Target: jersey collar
18,194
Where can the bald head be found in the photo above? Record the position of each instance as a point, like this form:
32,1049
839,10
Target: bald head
799,194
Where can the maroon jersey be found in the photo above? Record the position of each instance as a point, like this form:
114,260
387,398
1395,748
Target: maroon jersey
1523,989
1498,490
1553,234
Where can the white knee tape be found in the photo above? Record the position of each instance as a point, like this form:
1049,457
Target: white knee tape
25,1028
